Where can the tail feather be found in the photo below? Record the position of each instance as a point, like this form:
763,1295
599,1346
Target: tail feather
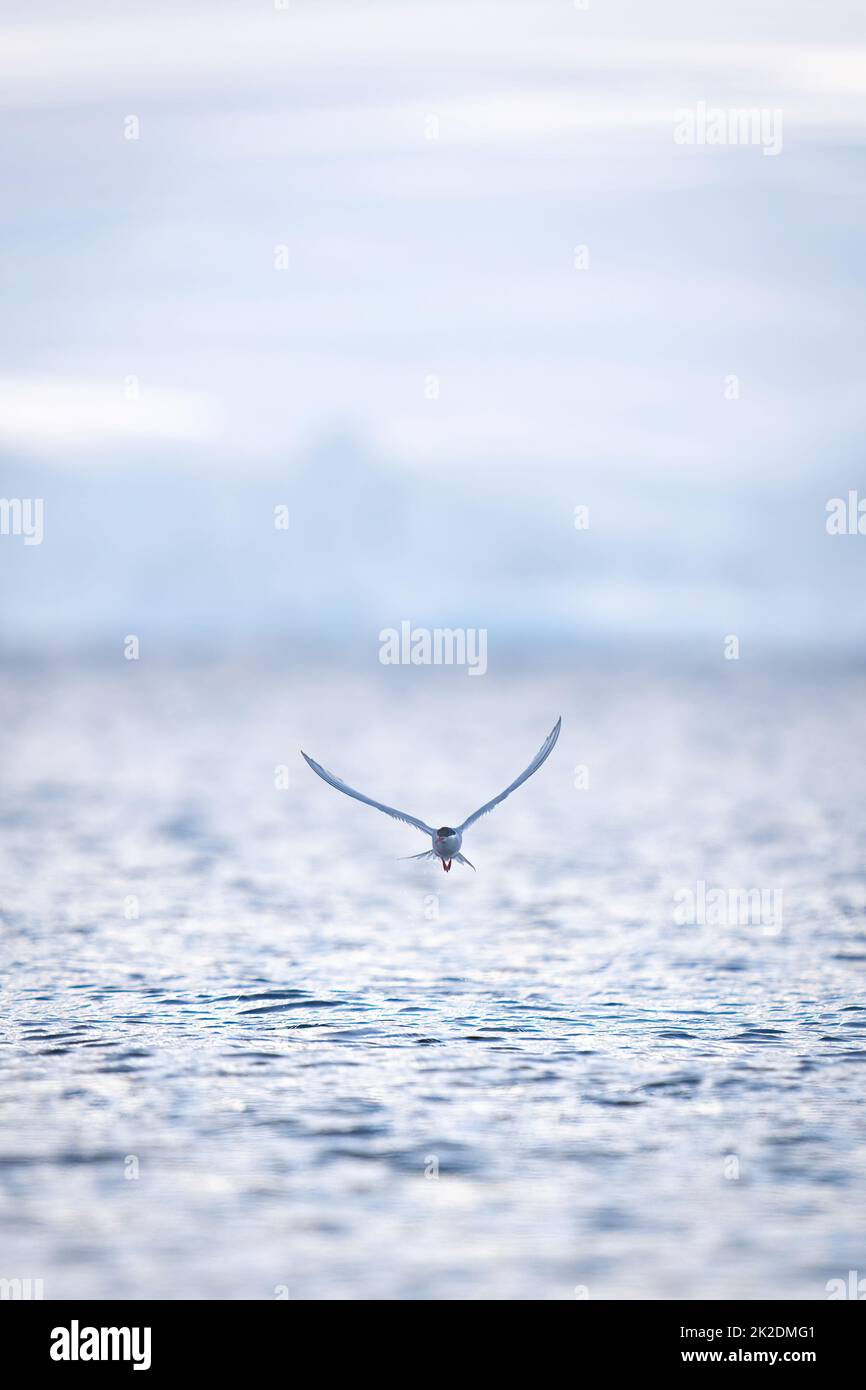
425,854
461,859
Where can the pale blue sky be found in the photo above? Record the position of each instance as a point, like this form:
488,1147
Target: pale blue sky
409,258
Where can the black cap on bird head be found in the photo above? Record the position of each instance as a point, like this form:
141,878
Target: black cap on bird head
445,830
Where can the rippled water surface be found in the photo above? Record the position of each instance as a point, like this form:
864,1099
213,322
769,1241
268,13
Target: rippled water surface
247,1051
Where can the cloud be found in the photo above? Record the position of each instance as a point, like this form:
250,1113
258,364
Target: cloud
496,71
56,413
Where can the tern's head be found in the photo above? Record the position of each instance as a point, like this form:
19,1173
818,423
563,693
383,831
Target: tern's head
444,831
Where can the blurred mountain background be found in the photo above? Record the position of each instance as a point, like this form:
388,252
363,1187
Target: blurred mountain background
430,386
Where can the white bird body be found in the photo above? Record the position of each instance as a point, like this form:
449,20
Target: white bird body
447,846
447,841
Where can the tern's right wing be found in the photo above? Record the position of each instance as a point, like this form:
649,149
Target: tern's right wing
368,800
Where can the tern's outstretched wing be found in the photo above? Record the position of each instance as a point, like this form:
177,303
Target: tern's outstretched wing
359,796
543,752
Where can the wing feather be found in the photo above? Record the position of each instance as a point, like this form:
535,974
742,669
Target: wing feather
543,752
368,800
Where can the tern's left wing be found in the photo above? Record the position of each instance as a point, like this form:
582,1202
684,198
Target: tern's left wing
359,796
543,752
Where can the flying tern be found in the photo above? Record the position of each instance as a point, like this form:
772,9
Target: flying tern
447,840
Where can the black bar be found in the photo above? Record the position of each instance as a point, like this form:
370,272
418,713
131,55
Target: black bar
233,1338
